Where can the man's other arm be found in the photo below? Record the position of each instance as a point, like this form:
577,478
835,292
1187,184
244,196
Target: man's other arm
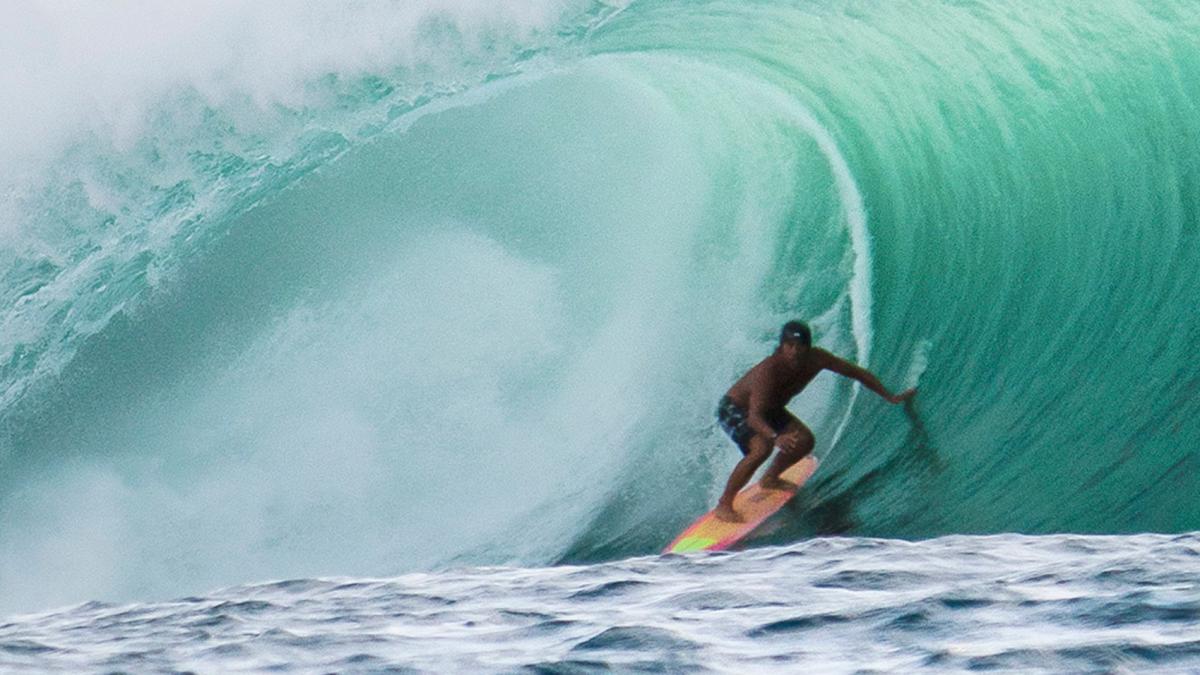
868,379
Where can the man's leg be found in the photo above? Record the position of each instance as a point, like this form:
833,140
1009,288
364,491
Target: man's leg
771,479
759,448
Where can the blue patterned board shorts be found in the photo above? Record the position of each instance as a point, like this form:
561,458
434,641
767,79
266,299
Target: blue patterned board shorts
733,421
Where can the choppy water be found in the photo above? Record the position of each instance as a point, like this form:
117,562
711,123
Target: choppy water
1001,603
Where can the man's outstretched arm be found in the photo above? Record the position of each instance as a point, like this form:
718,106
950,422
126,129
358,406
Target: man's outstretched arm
856,372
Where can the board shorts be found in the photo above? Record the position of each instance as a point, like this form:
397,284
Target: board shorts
734,421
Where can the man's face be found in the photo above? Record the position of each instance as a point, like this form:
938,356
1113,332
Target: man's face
795,351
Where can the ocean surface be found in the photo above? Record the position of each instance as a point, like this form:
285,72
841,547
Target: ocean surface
425,307
1004,603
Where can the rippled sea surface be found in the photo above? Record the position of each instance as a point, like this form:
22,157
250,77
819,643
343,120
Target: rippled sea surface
1002,603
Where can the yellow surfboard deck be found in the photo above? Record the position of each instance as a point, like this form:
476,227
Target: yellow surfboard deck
753,503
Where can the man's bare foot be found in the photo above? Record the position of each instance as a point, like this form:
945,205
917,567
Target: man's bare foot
727,514
777,484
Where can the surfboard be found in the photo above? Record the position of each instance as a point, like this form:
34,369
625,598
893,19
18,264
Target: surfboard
753,503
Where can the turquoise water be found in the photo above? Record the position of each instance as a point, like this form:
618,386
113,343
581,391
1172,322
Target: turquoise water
462,286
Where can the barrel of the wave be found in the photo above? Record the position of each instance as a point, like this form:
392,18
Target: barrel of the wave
754,504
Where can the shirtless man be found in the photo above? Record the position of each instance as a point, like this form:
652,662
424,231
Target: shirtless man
754,416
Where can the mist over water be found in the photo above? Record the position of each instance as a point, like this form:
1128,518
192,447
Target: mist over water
293,292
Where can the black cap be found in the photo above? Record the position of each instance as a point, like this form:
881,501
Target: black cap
796,331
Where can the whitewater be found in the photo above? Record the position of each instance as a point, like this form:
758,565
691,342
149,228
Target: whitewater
389,335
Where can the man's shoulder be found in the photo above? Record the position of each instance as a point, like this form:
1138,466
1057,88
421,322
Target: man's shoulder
765,372
764,367
826,360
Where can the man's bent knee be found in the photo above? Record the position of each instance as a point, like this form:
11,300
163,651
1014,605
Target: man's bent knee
801,430
805,442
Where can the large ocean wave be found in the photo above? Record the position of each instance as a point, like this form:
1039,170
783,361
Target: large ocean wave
294,292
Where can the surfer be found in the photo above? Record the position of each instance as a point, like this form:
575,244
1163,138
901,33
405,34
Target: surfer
754,415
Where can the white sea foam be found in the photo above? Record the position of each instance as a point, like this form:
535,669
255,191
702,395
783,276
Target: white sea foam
103,69
1049,604
918,364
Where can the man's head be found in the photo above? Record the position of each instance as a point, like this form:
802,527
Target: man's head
796,331
795,339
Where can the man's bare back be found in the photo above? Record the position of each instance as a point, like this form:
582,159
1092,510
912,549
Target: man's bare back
754,410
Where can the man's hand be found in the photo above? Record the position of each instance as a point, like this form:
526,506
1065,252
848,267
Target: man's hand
788,442
902,396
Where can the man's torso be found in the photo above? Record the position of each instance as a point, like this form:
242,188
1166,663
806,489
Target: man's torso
778,381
